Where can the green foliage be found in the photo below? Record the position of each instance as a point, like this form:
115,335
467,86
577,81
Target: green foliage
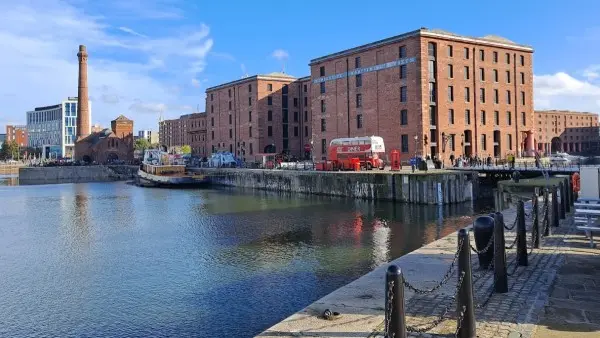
141,144
186,149
10,150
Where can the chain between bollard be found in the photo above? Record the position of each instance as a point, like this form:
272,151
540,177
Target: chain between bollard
513,243
512,227
460,318
484,250
437,321
390,295
444,280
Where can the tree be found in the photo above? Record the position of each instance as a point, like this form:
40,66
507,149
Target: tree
186,149
10,150
141,144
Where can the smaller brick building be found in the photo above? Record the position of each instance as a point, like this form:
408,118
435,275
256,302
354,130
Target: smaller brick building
17,134
566,131
108,145
189,129
195,136
268,113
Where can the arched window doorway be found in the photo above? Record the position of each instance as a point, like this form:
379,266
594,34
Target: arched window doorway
86,159
270,149
555,145
112,157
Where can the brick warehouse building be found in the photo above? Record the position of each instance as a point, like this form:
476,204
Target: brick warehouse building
260,114
188,129
427,92
566,131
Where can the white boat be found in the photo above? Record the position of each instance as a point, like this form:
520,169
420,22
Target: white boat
163,169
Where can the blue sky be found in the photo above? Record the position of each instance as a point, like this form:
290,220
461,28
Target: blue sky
153,56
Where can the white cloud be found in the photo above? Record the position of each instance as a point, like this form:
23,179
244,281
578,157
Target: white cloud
195,83
592,72
280,54
129,74
132,32
563,91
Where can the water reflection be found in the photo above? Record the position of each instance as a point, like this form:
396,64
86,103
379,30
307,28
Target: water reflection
111,259
9,180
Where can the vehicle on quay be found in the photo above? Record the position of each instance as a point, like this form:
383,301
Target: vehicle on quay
559,160
161,169
344,153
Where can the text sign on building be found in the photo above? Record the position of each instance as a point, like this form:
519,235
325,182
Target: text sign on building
375,68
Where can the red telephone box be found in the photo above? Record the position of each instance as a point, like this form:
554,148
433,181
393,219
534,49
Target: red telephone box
395,154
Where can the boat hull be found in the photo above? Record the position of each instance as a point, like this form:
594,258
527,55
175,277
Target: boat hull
149,180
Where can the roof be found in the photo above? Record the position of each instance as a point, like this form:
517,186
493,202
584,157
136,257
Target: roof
95,138
491,40
276,76
121,118
557,111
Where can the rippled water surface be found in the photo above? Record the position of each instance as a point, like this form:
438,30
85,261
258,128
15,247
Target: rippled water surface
112,259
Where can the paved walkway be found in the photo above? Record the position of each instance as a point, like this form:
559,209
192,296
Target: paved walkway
556,295
573,309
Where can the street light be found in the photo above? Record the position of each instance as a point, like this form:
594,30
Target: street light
445,139
462,143
416,145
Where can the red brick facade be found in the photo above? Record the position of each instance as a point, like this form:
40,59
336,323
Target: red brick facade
394,101
566,131
108,145
195,136
260,114
17,134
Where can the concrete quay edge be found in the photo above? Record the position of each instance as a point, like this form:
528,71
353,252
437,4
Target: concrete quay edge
361,302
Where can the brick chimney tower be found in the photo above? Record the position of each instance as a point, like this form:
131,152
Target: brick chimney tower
83,112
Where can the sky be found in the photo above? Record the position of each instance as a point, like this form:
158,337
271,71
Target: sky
152,57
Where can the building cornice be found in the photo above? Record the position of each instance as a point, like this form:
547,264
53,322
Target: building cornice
425,33
252,78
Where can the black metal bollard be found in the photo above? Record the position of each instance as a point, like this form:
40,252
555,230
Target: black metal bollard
395,321
483,230
555,213
501,285
561,208
521,235
547,207
567,195
535,227
464,304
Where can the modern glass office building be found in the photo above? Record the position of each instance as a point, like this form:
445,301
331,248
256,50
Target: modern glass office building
53,129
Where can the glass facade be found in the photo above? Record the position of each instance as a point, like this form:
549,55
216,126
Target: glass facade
54,128
70,122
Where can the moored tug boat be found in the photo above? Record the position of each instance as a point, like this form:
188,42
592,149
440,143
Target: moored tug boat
161,169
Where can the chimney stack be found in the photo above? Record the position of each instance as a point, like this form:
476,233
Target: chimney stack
83,112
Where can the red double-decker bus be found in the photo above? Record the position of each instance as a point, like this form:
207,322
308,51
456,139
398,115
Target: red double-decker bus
369,150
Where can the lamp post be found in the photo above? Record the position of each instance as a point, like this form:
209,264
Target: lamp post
462,143
445,139
312,150
416,145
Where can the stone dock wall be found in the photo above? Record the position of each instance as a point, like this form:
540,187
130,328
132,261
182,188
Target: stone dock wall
361,303
76,174
445,187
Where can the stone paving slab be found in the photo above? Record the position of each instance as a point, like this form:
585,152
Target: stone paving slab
361,302
573,309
